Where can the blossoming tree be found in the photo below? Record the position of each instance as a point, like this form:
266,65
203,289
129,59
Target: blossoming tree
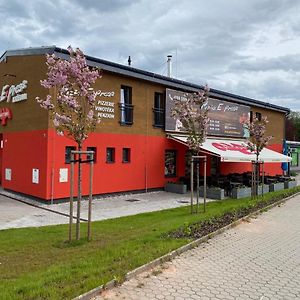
192,115
72,105
256,142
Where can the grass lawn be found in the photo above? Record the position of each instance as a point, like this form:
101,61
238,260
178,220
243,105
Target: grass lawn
38,263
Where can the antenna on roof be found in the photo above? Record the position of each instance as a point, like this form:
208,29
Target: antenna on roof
129,60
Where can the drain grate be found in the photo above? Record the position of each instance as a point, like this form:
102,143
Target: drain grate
132,200
183,201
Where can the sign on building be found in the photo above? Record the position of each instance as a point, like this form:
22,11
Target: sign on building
225,118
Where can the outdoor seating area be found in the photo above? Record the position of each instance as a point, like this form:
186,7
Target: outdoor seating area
237,185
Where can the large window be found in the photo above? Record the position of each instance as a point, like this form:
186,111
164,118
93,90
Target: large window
159,110
110,155
68,150
170,163
126,107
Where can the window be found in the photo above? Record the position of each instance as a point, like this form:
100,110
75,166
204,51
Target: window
170,163
88,157
159,110
68,153
251,116
258,116
126,107
110,155
126,155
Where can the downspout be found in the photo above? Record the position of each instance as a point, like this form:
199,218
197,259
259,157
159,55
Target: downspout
146,147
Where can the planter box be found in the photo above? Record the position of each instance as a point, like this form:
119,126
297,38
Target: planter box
266,189
177,188
243,192
212,193
290,184
276,186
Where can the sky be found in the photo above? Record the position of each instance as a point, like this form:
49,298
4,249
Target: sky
249,48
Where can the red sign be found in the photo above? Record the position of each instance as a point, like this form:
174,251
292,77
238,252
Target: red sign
231,147
5,114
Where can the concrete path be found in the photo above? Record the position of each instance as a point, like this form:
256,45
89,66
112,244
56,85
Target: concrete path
15,214
257,260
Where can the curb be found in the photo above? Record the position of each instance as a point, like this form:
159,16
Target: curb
171,255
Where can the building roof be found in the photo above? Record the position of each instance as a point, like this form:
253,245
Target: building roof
144,75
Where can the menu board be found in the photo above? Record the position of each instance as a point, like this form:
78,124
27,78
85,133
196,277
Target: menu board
225,118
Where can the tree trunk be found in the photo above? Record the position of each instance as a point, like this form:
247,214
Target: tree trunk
79,194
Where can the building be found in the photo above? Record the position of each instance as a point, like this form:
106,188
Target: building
293,149
135,148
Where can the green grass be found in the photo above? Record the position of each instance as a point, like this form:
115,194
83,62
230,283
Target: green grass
38,263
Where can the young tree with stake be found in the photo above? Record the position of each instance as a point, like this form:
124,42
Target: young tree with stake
72,107
192,114
256,142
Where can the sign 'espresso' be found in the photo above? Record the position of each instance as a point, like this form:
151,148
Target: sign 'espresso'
14,93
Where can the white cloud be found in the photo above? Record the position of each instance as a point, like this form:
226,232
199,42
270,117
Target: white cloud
249,48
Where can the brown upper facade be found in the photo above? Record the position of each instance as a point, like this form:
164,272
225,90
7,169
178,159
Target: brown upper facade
131,101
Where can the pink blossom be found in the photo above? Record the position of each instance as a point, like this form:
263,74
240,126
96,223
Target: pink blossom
192,113
257,140
73,107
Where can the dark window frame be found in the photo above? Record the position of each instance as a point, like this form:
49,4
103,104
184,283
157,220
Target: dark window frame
159,110
113,155
169,173
68,150
127,159
92,148
258,116
126,108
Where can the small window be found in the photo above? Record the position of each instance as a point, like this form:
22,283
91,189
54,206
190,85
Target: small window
126,155
170,163
68,153
159,110
110,155
258,116
88,157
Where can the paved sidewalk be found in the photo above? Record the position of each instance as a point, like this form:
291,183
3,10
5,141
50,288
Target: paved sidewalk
257,260
16,214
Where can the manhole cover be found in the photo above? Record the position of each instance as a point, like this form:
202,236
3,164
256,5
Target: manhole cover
132,200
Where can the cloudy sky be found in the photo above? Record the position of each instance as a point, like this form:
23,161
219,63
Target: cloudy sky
250,48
